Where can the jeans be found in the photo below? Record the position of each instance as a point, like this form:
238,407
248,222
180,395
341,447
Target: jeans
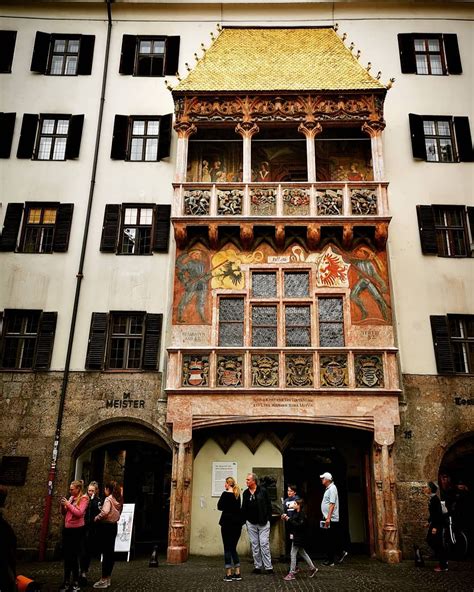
107,532
295,549
72,543
230,538
260,541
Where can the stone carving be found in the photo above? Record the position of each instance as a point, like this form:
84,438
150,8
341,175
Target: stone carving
329,202
299,370
229,202
333,371
229,371
364,202
197,202
263,201
296,202
265,371
195,370
369,371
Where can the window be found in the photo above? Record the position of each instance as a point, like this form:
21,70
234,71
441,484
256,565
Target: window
7,125
63,55
7,49
446,231
149,55
453,339
141,138
124,341
50,137
441,139
27,339
331,322
133,229
430,54
46,227
231,322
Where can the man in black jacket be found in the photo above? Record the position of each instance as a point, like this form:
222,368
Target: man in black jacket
257,511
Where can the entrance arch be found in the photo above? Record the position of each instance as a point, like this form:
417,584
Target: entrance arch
138,457
458,461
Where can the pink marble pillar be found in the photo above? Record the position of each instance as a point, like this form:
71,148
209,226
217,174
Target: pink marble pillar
180,503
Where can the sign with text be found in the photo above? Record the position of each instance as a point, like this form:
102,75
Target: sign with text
220,472
123,540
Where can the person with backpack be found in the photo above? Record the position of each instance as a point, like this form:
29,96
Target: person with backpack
297,524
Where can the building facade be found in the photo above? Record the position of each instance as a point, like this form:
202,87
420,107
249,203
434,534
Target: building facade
277,278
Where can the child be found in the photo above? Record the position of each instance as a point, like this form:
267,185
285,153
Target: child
297,525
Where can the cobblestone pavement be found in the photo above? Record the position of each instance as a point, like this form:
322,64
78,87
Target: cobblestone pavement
203,574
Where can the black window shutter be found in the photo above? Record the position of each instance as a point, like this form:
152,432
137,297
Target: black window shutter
7,125
120,137
417,136
11,226
45,340
127,57
426,226
442,345
164,139
26,144
470,219
162,228
463,139
110,228
172,55
453,57
406,47
97,341
7,48
62,228
73,143
151,348
86,54
39,61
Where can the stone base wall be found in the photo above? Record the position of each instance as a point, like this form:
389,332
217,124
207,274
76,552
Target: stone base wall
115,404
433,417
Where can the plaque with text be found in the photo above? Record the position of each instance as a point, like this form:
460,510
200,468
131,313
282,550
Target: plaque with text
220,472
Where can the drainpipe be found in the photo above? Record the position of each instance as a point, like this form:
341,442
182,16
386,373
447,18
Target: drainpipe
79,277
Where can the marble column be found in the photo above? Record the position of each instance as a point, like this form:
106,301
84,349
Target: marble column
247,129
180,503
374,129
310,129
184,130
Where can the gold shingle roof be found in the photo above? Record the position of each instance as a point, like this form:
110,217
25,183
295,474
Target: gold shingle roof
265,59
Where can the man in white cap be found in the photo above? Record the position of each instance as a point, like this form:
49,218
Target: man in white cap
330,512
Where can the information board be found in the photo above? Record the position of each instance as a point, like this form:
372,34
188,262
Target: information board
123,540
220,472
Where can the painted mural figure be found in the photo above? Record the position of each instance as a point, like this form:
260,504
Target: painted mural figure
192,273
206,175
216,172
370,280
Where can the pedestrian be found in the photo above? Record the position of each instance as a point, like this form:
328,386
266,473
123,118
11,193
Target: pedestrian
73,510
89,541
331,524
436,525
288,510
107,520
231,528
7,549
297,524
257,511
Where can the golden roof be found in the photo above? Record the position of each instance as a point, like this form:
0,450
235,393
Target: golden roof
266,59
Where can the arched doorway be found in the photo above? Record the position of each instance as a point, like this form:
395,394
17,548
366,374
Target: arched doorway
140,459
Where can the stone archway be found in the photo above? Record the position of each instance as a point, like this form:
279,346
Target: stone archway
458,461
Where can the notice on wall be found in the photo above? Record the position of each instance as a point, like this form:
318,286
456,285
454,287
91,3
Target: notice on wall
123,539
220,472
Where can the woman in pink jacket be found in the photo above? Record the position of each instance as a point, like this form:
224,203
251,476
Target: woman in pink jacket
73,510
107,520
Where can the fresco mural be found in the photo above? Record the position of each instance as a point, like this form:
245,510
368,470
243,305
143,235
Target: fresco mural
215,162
279,161
344,160
363,270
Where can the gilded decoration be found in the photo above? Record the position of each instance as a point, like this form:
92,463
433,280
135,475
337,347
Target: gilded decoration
296,202
364,202
329,202
369,371
299,370
229,202
229,371
263,202
265,371
195,370
333,371
197,202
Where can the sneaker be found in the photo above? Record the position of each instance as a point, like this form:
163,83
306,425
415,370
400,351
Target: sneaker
439,568
228,579
343,556
256,570
237,577
328,563
75,587
313,571
269,572
64,587
289,577
102,583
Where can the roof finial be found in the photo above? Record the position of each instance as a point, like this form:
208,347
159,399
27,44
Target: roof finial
351,46
168,85
212,36
196,57
203,47
336,26
390,83
178,76
344,36
379,74
187,66
358,54
219,27
369,65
